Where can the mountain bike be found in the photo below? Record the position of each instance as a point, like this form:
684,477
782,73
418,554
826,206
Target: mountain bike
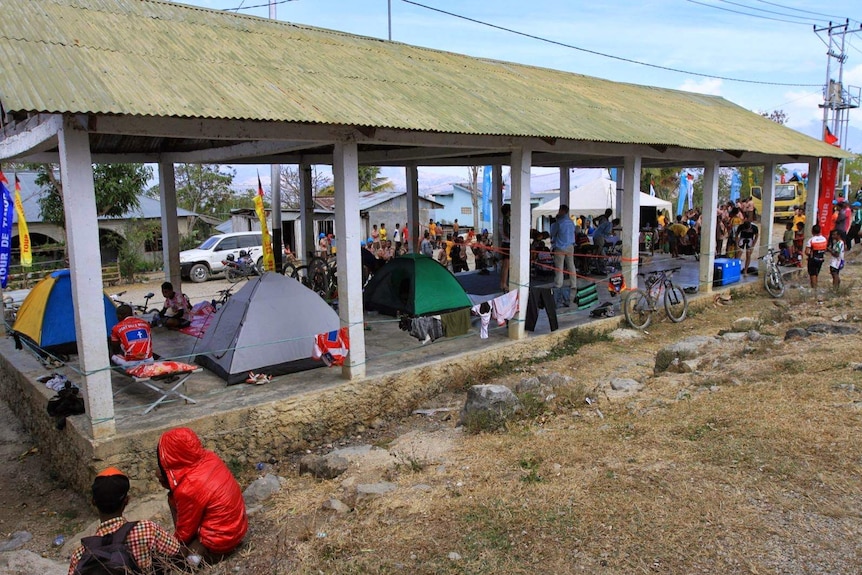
137,309
639,304
773,281
224,295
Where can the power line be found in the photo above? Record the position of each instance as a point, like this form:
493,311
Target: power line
241,7
747,7
611,56
805,11
751,15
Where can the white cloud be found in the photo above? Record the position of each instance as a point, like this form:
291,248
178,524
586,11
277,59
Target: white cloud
802,108
710,86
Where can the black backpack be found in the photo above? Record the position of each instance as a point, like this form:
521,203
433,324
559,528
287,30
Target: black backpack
108,554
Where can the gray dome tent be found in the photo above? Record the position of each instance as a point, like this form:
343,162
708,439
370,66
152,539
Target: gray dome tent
268,326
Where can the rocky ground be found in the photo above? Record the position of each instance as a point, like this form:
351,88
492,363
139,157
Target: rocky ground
421,483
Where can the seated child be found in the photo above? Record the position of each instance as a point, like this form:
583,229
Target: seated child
785,257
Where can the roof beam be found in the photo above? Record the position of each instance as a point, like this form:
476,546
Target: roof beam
237,153
35,134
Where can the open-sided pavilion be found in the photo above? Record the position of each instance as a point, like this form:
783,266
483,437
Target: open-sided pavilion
90,81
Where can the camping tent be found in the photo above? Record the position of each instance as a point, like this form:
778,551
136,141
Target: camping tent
414,285
268,326
593,199
47,316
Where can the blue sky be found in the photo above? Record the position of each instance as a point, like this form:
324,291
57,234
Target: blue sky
772,42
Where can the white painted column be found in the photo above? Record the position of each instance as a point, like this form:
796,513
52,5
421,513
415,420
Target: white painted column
345,169
706,268
565,186
412,177
812,196
275,231
519,259
630,219
82,235
305,240
170,233
767,222
497,199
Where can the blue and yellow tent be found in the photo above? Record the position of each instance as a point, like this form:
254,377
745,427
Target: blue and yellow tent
47,319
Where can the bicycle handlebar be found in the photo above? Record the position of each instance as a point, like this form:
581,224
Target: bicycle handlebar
664,271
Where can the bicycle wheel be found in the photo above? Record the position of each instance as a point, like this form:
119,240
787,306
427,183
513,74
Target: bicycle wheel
288,269
773,282
675,302
637,309
300,274
232,274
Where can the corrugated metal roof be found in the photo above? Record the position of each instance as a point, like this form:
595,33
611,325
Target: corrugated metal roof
150,58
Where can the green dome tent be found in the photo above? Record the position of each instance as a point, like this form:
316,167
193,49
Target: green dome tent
414,285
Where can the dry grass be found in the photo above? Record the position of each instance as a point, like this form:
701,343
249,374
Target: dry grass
749,466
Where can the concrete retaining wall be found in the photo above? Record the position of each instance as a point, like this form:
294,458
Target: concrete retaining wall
249,434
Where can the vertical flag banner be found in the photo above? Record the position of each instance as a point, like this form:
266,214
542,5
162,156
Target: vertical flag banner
268,256
5,230
683,192
735,185
690,178
828,176
486,196
23,231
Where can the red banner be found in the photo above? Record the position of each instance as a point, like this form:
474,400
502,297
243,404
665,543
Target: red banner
828,176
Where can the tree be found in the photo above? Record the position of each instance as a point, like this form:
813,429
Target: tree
665,182
370,180
117,188
777,116
291,190
205,189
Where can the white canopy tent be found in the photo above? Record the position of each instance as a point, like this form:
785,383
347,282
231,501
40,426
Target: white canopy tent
592,199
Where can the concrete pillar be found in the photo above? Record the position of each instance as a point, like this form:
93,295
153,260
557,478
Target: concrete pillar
767,222
305,240
277,238
412,177
519,262
345,169
630,219
170,231
812,196
82,235
497,199
565,186
708,225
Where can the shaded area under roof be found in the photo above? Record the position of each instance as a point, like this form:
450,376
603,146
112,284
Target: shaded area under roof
158,59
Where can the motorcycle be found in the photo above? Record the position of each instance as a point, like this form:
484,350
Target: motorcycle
237,269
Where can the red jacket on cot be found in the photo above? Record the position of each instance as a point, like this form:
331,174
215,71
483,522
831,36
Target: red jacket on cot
206,496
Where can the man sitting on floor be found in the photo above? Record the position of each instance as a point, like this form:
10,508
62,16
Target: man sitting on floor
131,340
177,310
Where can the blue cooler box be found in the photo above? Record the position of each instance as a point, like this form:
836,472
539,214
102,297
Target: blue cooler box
726,271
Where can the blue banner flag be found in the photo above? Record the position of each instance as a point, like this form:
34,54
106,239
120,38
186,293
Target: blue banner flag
683,192
486,197
735,185
5,234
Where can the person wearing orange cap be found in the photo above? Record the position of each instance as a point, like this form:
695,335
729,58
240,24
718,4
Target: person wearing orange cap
150,545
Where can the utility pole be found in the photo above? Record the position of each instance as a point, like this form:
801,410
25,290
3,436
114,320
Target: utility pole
275,186
838,99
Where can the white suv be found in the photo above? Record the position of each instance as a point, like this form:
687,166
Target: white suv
205,260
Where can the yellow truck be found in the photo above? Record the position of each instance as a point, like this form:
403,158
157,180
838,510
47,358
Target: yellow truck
787,196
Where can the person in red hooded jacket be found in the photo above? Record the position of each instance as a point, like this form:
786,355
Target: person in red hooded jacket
205,499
